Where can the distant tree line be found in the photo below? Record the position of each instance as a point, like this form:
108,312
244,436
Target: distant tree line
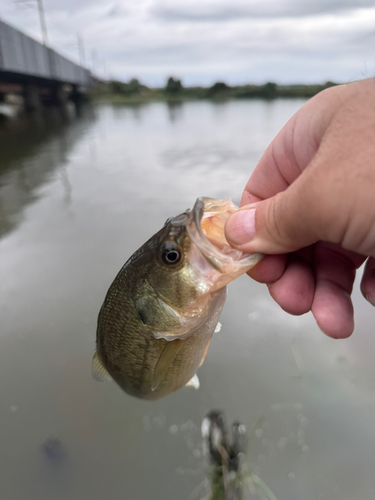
269,90
174,89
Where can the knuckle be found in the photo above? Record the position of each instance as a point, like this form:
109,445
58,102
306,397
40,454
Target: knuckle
277,220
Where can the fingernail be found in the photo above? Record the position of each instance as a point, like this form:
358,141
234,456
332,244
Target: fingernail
370,299
240,227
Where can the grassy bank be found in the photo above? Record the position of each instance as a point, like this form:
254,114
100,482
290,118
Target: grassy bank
134,93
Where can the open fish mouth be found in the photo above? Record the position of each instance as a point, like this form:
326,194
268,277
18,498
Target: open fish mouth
206,230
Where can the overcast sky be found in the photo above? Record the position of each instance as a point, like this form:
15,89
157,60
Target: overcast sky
203,41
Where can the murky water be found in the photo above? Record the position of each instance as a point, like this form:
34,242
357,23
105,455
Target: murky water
77,197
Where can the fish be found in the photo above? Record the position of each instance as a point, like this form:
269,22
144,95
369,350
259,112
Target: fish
162,309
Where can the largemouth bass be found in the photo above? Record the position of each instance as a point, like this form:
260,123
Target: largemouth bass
160,312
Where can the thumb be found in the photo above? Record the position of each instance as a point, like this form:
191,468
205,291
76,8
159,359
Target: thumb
292,219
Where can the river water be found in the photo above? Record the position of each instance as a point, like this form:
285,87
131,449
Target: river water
77,197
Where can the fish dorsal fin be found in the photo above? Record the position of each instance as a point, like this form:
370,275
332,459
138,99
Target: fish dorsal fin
193,382
167,356
99,373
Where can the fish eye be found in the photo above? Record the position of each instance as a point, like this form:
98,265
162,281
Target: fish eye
171,253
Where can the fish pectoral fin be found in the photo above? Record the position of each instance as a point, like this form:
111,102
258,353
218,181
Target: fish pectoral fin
99,373
167,356
194,382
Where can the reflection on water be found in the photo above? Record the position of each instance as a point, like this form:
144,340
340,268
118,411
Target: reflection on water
32,148
175,110
77,197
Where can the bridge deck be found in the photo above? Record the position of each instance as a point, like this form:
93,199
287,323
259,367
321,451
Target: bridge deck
21,55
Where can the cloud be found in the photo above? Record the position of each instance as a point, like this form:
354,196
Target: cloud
224,11
286,41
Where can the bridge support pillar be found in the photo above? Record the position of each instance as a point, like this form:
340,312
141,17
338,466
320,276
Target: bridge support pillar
76,95
60,96
32,97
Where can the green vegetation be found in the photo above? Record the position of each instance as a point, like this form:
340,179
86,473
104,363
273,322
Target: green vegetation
128,89
173,86
134,92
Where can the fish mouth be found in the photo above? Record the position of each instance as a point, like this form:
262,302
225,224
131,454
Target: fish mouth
206,230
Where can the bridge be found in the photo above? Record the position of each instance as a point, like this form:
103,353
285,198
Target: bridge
37,72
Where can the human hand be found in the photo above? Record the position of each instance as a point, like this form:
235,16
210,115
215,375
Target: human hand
310,205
